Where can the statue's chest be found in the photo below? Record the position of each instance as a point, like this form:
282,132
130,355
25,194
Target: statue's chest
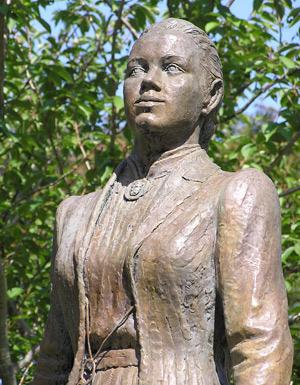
177,246
171,264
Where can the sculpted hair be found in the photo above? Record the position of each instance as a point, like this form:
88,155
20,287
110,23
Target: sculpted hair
211,63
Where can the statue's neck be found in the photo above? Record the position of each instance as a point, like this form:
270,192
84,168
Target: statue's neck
150,147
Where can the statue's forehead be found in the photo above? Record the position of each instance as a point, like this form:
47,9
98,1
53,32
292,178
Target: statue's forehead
164,43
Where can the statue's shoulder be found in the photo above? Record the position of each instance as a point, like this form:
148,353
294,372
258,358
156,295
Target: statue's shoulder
247,187
248,178
75,211
76,203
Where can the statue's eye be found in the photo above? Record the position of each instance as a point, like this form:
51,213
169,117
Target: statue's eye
135,71
173,68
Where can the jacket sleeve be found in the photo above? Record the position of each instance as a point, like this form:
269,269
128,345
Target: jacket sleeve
250,281
56,355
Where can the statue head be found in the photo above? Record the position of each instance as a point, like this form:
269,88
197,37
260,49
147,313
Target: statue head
174,81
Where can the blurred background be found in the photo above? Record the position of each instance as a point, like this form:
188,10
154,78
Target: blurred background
63,130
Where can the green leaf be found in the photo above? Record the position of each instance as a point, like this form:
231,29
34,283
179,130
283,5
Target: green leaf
14,292
288,286
211,26
63,73
257,4
289,3
279,7
85,109
297,248
288,63
248,150
44,24
118,103
287,253
294,16
106,174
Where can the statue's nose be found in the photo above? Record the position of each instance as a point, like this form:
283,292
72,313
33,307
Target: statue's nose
151,81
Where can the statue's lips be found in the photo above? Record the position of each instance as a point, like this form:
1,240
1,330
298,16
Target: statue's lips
147,101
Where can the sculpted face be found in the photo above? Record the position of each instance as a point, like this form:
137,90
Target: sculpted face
164,90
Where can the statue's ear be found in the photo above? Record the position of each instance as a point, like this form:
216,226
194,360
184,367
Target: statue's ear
214,98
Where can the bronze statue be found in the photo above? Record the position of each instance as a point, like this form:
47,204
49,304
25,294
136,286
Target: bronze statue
171,274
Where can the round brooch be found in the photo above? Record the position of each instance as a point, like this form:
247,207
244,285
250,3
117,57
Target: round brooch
136,189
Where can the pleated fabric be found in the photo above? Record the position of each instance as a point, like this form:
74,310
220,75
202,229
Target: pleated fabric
117,376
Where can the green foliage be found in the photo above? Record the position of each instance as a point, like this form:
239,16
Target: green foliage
65,126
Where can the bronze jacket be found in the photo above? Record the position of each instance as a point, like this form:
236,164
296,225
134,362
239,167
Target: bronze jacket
206,280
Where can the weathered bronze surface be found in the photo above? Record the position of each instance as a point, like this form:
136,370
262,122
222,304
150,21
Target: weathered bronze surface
171,274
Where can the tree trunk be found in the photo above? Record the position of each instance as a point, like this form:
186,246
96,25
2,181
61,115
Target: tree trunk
7,375
3,4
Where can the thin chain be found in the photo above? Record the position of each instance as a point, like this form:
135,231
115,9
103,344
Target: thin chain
115,328
90,362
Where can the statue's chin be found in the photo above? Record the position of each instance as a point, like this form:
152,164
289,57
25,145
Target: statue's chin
147,123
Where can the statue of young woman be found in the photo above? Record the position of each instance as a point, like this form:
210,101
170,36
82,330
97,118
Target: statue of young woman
171,274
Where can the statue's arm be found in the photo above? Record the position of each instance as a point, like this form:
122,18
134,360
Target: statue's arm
250,281
56,355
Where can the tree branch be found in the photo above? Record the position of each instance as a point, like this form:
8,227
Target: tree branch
25,373
97,50
28,358
289,191
129,27
229,3
59,179
170,10
18,197
244,86
294,318
264,89
22,325
49,129
117,26
46,121
80,144
87,63
283,152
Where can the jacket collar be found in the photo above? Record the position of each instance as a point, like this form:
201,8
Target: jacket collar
190,162
202,167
